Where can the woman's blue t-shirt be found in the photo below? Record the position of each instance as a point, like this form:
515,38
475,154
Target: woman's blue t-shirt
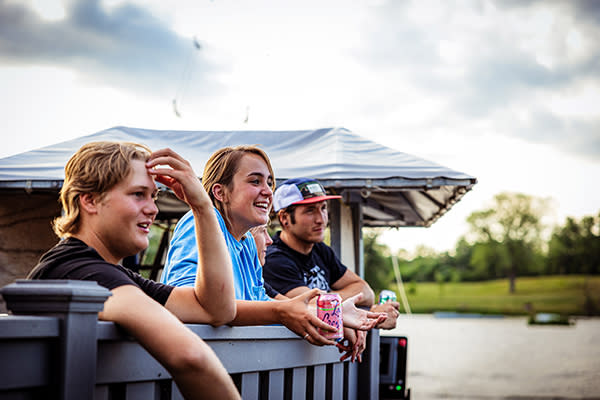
182,260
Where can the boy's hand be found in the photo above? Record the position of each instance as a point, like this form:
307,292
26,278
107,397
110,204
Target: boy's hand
179,177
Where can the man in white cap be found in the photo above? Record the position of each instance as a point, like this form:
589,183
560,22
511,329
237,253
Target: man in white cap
299,261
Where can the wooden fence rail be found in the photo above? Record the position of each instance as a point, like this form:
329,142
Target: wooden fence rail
54,347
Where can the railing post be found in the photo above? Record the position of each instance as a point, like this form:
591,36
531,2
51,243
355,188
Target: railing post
368,369
76,304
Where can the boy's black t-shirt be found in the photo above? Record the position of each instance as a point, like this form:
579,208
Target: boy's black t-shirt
286,269
73,259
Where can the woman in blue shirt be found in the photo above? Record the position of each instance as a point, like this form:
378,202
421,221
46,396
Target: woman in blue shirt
240,183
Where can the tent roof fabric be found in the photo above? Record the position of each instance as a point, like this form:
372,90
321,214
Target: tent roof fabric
394,188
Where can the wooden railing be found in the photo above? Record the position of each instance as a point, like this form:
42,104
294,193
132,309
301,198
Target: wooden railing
52,346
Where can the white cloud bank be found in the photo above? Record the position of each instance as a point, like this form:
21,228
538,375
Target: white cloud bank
507,91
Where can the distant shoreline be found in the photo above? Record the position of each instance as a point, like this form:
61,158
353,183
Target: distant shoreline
570,295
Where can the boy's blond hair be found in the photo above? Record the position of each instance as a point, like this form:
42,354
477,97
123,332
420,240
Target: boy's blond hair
95,168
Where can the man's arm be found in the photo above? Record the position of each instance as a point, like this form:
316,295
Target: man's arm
391,309
213,290
192,363
350,284
347,286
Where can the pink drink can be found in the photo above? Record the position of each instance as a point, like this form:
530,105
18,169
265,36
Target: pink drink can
329,310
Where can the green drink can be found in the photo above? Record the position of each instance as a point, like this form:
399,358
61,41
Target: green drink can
386,295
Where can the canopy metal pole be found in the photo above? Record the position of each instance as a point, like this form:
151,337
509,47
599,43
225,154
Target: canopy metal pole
400,285
357,223
335,225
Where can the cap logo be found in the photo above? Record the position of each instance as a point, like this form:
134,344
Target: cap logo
299,191
311,189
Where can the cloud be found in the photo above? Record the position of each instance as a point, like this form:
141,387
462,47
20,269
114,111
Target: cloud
587,9
583,9
489,59
126,48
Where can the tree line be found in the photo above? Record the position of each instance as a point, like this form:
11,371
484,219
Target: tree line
503,242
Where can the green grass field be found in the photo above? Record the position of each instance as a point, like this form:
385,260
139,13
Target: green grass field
568,295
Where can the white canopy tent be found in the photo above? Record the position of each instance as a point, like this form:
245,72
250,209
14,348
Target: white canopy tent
393,188
380,186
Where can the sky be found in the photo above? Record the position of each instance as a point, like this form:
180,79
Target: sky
506,91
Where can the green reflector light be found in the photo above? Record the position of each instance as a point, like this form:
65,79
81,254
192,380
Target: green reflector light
398,387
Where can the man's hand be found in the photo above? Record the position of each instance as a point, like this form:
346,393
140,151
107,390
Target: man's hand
357,318
391,309
297,317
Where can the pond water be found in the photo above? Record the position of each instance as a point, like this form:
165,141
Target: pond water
500,358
